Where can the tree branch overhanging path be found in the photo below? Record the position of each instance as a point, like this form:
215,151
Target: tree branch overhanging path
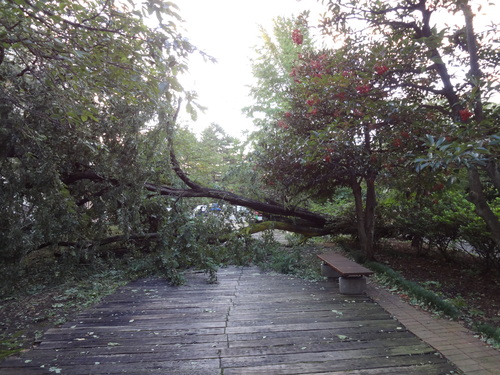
293,219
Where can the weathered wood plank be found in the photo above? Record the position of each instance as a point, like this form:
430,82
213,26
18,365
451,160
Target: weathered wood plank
174,367
307,364
342,336
273,327
343,265
370,367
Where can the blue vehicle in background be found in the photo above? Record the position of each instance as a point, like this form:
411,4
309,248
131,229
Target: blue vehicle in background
203,209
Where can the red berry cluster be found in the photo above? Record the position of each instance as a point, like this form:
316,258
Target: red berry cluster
465,114
282,124
363,89
381,69
297,37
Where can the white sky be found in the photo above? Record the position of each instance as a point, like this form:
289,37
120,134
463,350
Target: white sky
228,30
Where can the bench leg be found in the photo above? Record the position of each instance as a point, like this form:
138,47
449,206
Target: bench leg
329,272
352,285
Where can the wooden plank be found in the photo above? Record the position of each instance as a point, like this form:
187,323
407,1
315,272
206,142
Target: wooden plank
341,338
273,327
344,266
126,345
327,337
357,367
344,360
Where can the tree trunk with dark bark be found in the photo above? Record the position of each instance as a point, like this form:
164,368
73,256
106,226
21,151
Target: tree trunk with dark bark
371,202
476,196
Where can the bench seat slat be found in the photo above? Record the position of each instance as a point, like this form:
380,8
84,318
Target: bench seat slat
344,266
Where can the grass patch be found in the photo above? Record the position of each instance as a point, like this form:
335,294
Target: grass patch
490,334
421,296
10,344
25,315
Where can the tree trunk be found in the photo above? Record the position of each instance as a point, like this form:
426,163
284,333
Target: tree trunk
361,217
365,215
417,244
371,202
477,197
493,170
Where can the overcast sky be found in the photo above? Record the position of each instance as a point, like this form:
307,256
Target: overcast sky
228,30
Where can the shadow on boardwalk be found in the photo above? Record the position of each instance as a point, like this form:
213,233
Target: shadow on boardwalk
249,323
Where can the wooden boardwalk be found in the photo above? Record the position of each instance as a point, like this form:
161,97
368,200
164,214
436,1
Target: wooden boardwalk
249,323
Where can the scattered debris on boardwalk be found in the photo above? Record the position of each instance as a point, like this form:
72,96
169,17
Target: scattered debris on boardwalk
251,322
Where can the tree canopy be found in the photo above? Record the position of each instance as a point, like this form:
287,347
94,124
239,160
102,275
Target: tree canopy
447,71
91,154
79,82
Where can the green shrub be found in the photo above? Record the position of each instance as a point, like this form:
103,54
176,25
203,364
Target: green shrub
423,296
297,260
444,219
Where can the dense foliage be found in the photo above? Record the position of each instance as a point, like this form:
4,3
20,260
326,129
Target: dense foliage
94,166
83,86
384,105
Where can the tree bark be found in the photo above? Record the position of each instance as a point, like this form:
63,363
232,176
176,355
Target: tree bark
371,202
477,197
310,218
360,214
493,170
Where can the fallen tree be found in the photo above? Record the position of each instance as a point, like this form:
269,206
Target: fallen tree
278,216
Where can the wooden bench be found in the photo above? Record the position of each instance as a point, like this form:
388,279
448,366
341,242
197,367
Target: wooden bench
351,275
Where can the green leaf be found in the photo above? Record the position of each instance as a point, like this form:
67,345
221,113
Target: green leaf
429,139
440,141
163,86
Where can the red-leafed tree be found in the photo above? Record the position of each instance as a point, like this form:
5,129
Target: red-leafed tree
393,87
448,64
346,125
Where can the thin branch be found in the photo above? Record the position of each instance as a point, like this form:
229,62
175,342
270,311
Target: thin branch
405,25
64,20
105,241
105,5
424,88
173,158
438,108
